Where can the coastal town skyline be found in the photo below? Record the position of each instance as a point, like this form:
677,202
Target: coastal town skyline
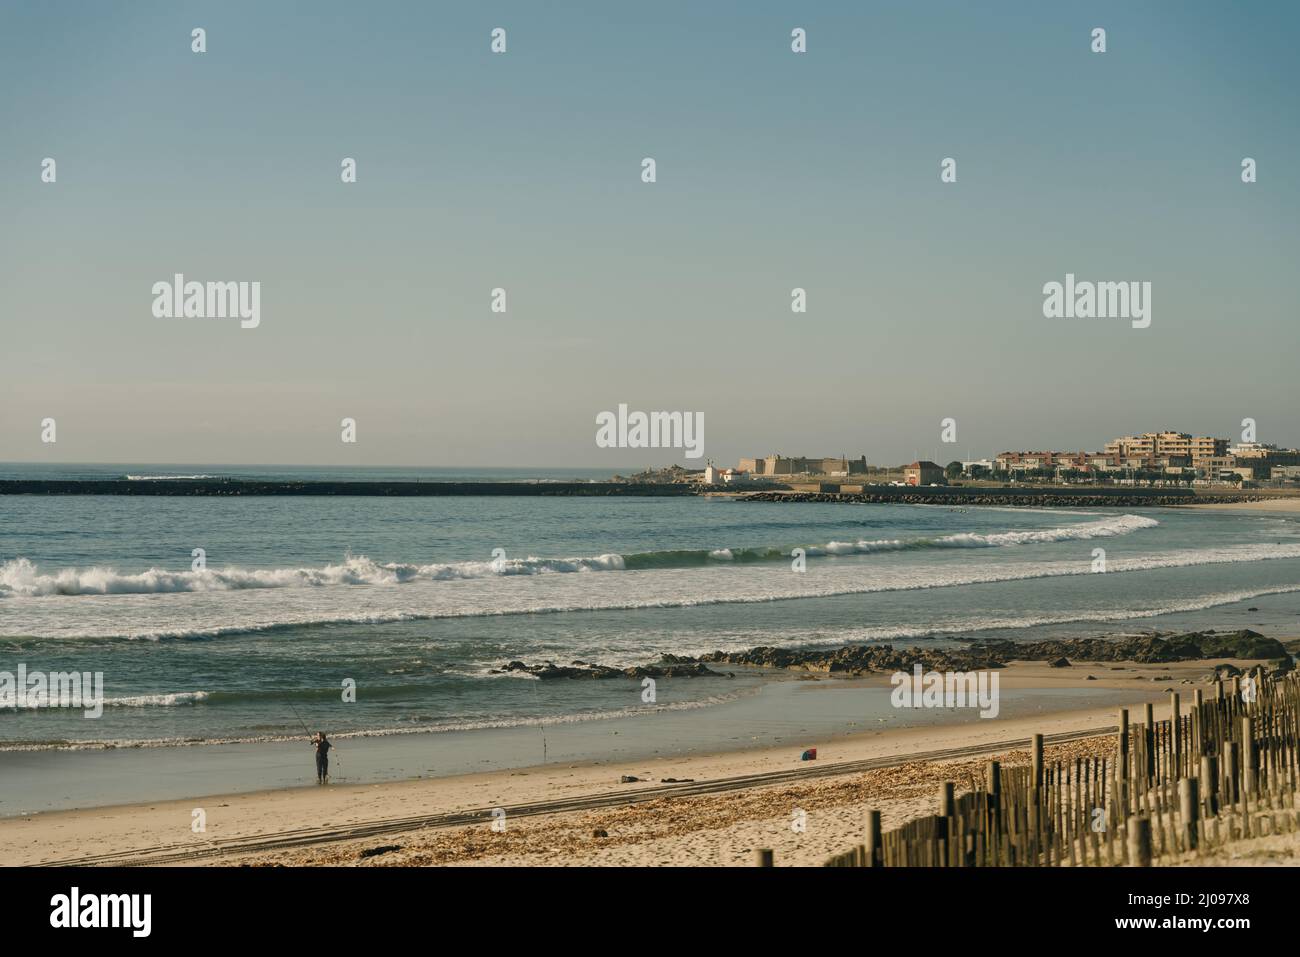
942,453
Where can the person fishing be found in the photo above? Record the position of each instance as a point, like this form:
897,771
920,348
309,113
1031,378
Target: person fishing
323,746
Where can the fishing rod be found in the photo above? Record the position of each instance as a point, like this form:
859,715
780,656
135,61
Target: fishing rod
333,746
298,716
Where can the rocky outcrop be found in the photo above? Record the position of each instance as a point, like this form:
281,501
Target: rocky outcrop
1040,498
850,660
580,669
976,656
1145,649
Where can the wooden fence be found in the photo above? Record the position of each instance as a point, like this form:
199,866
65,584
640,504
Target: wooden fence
1225,769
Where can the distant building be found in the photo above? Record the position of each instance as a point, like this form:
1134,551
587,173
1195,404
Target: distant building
783,465
922,473
1216,468
719,476
1152,446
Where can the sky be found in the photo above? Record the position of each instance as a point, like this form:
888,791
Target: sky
522,171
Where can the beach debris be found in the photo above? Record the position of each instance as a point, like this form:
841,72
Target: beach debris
809,755
380,849
677,781
1059,663
600,832
628,779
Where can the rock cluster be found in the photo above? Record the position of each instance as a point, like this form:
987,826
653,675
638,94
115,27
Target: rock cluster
1144,649
581,669
1041,499
976,656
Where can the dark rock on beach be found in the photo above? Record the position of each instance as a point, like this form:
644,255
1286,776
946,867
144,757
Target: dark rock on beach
549,670
381,849
1144,649
853,660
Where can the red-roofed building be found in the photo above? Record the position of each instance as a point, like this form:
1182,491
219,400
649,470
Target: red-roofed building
923,473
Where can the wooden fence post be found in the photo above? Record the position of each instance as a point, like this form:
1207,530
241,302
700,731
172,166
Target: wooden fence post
1149,734
1249,757
1210,783
1176,728
1121,770
1190,809
875,849
1139,841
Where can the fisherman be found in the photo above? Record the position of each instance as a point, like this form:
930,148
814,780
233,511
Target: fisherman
322,756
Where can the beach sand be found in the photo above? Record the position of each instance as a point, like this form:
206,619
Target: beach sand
1289,504
721,828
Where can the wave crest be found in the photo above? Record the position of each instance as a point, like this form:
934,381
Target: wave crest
20,577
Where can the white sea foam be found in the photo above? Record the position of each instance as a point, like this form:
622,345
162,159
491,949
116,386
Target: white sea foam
212,614
966,625
169,700
1103,528
21,578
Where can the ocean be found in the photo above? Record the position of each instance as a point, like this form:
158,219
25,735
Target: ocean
408,601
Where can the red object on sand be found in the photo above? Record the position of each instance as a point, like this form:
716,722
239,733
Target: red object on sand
809,755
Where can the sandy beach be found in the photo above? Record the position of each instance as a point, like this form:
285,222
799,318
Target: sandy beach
713,821
1281,503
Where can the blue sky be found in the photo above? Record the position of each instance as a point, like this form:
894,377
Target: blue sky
522,171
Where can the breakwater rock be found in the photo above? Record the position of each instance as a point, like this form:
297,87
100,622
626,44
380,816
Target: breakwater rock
1145,649
1040,498
239,487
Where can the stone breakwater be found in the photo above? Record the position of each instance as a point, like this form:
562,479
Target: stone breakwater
1049,498
853,660
237,487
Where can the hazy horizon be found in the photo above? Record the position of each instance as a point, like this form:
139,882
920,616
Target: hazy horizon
522,171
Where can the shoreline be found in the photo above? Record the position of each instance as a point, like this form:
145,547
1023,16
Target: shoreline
1063,706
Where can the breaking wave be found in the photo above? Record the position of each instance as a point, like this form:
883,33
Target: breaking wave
21,578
